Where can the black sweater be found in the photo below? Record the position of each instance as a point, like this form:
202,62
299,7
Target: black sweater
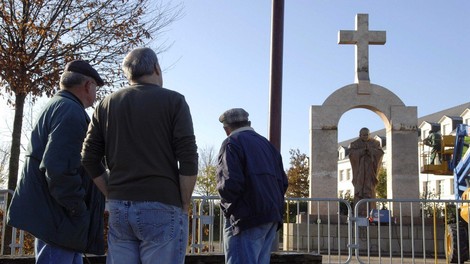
145,133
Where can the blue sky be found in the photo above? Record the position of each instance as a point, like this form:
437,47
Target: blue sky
220,59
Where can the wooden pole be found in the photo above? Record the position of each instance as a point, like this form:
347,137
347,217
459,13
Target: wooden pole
275,106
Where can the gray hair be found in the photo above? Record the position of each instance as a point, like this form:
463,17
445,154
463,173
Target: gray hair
139,62
69,80
236,125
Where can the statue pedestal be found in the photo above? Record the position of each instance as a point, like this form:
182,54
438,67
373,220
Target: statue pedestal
323,234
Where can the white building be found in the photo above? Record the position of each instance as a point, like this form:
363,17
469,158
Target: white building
431,186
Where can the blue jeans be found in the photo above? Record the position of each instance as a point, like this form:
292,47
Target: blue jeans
251,246
49,254
146,232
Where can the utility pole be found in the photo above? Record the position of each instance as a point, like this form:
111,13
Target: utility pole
275,103
275,94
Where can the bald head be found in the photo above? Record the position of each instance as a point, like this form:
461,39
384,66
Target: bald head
364,134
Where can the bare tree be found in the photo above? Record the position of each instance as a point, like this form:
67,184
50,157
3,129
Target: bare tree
4,156
31,111
206,180
40,36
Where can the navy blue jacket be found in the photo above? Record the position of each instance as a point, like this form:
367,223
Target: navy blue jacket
251,180
55,200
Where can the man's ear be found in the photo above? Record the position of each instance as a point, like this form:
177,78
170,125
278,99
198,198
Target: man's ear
88,86
227,130
158,70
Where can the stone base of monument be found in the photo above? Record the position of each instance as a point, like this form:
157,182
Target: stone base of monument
303,218
331,234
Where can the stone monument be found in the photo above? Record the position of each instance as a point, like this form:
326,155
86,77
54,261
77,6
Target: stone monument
400,123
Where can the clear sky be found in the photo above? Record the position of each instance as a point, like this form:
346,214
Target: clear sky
220,59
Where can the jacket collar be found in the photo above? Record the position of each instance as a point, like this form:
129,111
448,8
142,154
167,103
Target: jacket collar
71,96
238,130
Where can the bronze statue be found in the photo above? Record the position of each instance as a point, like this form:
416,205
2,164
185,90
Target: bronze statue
434,141
365,155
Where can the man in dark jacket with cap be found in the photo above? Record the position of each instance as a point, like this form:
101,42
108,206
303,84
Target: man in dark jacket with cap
55,200
251,182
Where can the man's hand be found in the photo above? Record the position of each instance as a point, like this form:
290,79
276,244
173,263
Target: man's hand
187,186
101,183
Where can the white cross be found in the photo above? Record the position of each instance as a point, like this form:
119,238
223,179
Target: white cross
362,37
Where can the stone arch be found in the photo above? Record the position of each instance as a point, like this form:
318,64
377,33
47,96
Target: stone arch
400,123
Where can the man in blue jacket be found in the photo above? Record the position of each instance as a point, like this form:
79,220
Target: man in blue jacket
251,182
55,200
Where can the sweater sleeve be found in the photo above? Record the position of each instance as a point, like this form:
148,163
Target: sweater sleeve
184,140
94,148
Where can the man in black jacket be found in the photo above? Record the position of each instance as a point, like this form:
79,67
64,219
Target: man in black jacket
55,200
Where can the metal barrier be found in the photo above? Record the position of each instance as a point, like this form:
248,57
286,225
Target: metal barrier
17,235
206,225
409,230
414,229
329,235
404,230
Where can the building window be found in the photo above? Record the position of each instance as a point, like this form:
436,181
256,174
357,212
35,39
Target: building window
348,174
340,175
446,129
425,188
425,134
440,187
452,187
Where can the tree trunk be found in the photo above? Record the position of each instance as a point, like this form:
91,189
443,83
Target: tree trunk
16,142
14,159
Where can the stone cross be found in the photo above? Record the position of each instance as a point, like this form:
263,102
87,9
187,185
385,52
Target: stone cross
362,38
